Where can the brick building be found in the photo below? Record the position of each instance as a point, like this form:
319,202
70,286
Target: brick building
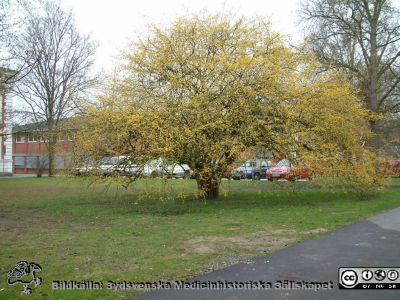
29,150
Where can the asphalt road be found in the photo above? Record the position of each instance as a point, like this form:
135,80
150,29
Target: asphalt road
371,243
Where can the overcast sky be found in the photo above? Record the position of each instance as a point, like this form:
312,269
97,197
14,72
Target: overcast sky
113,22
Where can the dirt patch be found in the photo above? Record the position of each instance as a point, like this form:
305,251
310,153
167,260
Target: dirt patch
203,249
284,231
210,244
8,222
316,231
233,228
261,242
27,218
240,249
272,243
19,218
247,246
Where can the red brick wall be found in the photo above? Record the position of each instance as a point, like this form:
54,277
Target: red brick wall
32,151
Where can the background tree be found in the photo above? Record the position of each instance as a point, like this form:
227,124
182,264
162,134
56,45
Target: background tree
12,18
4,23
6,29
209,87
361,37
59,77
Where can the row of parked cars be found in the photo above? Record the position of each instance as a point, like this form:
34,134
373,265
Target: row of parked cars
121,165
266,169
252,169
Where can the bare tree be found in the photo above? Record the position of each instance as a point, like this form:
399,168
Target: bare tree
361,37
61,59
12,20
6,23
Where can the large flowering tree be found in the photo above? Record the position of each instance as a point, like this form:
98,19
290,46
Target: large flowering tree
209,87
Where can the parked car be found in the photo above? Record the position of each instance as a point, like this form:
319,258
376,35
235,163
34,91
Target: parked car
107,166
178,171
83,170
160,167
391,168
121,165
118,165
285,170
254,169
86,166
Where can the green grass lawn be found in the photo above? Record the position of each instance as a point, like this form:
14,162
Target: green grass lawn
158,230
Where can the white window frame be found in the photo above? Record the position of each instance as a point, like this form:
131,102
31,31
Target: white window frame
20,138
34,140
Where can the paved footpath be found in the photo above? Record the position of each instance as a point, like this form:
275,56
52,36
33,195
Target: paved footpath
374,242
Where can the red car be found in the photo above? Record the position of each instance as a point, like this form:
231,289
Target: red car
391,168
285,170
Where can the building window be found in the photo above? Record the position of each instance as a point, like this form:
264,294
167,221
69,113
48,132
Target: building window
61,138
31,138
20,138
31,162
59,162
19,162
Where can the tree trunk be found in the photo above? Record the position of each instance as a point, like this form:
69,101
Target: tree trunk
377,142
51,151
373,70
373,102
208,188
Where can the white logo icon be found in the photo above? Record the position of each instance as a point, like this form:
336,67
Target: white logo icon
380,275
349,278
392,275
367,275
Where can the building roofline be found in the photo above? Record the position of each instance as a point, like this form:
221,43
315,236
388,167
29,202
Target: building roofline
35,126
